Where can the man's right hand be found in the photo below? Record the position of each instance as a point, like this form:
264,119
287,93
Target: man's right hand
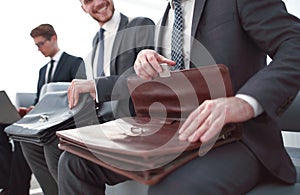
147,64
80,86
23,110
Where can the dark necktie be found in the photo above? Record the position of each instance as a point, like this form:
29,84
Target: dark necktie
49,78
100,65
177,37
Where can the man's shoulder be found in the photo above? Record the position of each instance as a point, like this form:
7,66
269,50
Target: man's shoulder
65,54
139,21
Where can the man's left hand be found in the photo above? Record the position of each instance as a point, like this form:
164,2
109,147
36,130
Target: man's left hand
206,122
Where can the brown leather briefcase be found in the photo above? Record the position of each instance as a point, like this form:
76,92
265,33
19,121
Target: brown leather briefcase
146,148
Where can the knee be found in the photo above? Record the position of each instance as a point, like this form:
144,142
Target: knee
70,164
178,187
66,161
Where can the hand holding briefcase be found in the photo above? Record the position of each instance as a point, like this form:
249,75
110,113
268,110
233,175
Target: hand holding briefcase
146,147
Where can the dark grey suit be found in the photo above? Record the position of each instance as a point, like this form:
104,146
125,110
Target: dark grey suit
240,34
43,159
132,37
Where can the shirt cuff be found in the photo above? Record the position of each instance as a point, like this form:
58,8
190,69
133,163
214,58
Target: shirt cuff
258,109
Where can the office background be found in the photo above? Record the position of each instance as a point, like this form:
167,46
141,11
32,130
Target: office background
20,58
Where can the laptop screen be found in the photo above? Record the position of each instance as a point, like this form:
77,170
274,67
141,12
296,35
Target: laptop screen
8,112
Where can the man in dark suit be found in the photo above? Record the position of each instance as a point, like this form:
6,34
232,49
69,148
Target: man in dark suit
65,68
240,34
61,68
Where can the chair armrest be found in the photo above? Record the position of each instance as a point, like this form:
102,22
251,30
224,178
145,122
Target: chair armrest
24,99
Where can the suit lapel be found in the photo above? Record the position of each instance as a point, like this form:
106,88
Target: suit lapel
117,44
198,10
43,75
161,29
61,61
95,42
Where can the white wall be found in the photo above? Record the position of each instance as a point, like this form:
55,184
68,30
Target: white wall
20,60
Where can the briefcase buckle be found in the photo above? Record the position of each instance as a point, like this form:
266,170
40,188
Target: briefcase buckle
43,118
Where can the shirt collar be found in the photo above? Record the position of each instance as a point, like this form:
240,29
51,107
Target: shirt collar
113,24
172,5
57,56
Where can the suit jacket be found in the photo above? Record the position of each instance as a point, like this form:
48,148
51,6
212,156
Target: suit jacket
68,68
132,37
240,34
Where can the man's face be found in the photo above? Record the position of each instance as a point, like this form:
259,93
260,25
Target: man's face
100,10
45,46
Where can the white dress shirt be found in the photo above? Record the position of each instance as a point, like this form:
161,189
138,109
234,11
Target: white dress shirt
111,28
56,59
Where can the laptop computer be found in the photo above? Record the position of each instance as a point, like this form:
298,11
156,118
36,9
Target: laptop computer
8,112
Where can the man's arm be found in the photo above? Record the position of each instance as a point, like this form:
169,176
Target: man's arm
278,34
206,122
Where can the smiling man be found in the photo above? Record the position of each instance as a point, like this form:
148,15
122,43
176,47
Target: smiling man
115,48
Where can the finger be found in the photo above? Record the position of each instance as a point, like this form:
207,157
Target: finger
70,94
211,135
153,59
143,66
162,59
93,94
194,124
140,72
202,129
210,127
149,66
75,97
191,118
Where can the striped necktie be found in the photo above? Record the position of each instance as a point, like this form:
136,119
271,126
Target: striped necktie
177,37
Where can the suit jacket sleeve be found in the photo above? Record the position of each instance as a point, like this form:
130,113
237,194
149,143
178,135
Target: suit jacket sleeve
41,82
278,34
78,68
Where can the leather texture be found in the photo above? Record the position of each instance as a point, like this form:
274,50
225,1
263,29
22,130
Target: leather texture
146,147
181,93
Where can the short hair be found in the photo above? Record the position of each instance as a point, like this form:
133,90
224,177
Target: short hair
45,30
